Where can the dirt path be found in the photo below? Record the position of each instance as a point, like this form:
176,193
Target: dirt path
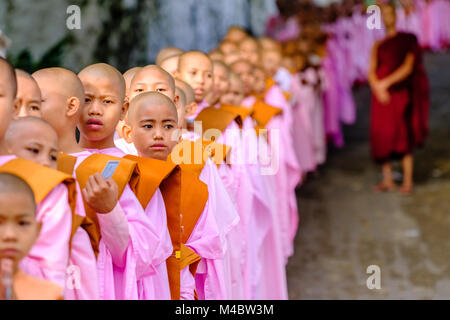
344,227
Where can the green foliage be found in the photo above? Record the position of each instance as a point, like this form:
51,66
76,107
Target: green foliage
53,57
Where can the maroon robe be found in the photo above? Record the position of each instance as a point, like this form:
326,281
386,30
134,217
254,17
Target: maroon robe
400,125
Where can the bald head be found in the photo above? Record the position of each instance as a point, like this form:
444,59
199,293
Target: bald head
170,64
28,95
193,57
128,77
25,124
236,34
10,183
101,71
152,78
267,43
148,100
166,53
62,80
7,71
187,89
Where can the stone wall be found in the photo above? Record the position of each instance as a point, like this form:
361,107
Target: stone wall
124,32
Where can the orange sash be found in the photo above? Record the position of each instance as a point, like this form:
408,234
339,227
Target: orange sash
243,112
263,112
43,180
66,163
184,197
125,173
270,82
29,288
213,118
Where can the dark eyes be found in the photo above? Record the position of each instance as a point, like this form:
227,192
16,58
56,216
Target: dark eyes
34,108
24,223
87,100
168,126
161,89
139,90
147,126
33,150
53,158
107,101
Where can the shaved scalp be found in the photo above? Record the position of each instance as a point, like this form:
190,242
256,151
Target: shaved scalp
248,39
182,101
187,89
22,124
103,70
218,63
189,54
152,67
128,77
167,52
148,100
269,43
10,183
240,61
21,73
66,81
12,74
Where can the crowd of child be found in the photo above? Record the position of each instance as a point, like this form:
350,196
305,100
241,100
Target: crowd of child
175,180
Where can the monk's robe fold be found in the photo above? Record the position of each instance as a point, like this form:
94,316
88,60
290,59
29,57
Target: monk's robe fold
154,173
400,125
55,196
210,237
27,287
82,258
213,118
128,239
289,173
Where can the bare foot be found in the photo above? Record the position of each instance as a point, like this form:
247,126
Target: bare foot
384,186
406,189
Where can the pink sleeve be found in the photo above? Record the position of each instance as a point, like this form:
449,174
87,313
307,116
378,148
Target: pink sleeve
187,285
115,233
48,258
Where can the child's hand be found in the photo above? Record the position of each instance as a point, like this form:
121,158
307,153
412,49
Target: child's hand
6,280
101,194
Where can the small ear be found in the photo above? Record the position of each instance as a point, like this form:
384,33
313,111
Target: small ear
191,108
124,111
177,75
73,105
16,108
126,133
176,99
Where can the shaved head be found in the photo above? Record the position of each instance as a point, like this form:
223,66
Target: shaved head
63,80
103,70
152,78
10,183
128,77
167,53
5,65
227,46
236,34
28,95
170,64
267,43
186,57
19,126
147,100
187,89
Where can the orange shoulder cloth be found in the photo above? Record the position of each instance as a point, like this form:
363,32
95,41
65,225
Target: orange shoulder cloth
213,118
30,288
125,173
263,112
243,112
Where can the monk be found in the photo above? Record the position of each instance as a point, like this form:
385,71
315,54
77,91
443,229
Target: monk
18,232
235,34
35,140
8,101
227,46
153,120
216,55
249,50
235,92
166,53
128,76
400,102
129,240
196,69
63,100
170,64
191,105
28,95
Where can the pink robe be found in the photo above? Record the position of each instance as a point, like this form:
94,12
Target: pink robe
128,246
82,262
48,258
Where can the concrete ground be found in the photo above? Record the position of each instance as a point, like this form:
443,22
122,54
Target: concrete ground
345,227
